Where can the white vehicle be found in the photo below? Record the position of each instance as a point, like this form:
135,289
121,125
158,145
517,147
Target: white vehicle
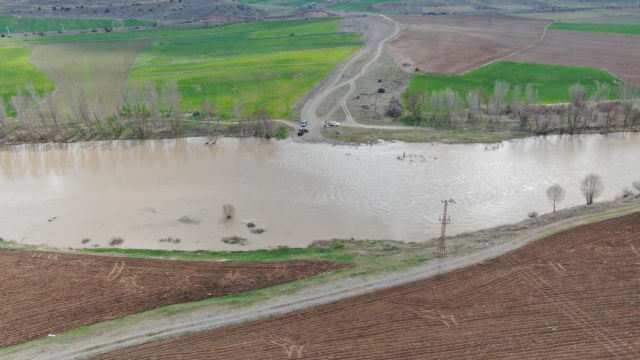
334,123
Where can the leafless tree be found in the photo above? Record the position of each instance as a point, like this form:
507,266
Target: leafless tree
152,103
602,92
636,185
578,115
531,95
394,109
555,194
474,106
500,91
627,91
444,105
228,210
169,94
19,104
136,111
610,111
207,111
3,118
79,106
415,100
591,187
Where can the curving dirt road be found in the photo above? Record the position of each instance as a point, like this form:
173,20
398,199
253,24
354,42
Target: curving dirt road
310,108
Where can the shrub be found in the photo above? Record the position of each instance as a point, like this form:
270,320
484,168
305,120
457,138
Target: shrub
116,240
228,210
235,240
85,240
257,231
533,215
381,91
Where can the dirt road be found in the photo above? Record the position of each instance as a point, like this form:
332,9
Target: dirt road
372,51
207,318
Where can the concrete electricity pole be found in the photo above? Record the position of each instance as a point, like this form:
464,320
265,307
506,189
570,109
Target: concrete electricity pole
8,32
62,27
445,220
113,25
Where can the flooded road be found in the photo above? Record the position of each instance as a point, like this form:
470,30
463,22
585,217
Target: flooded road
140,190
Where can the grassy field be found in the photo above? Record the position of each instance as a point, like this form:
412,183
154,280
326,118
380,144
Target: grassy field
620,28
16,72
552,81
101,67
30,25
266,65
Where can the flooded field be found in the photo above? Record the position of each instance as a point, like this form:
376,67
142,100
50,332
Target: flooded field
145,191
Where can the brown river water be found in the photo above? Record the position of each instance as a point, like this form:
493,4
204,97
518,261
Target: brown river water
139,190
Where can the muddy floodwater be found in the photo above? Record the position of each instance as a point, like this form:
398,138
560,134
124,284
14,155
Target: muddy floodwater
144,191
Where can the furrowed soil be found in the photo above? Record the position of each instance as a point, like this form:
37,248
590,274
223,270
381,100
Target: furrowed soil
442,45
49,293
573,295
619,54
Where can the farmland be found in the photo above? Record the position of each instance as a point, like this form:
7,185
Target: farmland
16,72
100,68
60,292
30,25
267,65
572,295
617,53
630,28
441,45
552,81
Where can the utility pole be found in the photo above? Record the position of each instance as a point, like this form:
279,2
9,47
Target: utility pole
62,27
113,25
8,32
445,220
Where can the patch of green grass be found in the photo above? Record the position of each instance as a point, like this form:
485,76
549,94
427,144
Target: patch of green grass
16,72
552,81
630,28
280,254
30,25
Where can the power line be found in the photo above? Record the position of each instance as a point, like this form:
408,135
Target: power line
444,221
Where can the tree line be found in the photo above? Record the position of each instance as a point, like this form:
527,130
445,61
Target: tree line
142,110
448,108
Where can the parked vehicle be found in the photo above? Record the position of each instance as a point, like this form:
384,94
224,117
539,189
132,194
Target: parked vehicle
300,132
304,123
334,123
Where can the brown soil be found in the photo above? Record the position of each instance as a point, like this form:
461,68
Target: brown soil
456,44
619,54
49,293
573,295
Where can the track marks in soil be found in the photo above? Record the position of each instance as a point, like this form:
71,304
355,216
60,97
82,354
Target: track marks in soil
49,293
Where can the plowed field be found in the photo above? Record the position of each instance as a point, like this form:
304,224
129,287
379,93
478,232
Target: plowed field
575,295
456,44
48,293
617,53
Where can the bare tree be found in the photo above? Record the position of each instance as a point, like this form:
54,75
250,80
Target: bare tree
591,187
578,113
207,111
228,210
603,90
555,194
531,95
415,100
474,106
636,185
152,103
3,118
500,91
169,94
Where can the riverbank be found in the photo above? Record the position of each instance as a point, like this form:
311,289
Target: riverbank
375,265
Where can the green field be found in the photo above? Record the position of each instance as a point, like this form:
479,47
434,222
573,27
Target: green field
629,28
267,65
259,65
31,25
16,72
552,81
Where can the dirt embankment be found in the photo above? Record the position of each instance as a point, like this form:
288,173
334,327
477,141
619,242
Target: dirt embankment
49,293
573,295
457,44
